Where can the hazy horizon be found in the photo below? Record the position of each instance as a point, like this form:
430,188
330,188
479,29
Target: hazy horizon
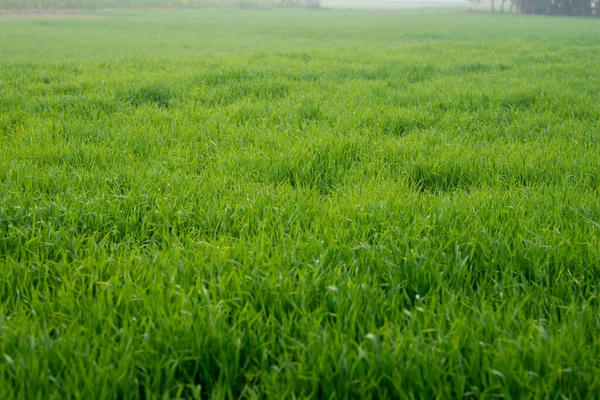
383,4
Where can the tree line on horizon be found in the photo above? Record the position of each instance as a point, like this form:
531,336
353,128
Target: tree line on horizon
575,8
571,8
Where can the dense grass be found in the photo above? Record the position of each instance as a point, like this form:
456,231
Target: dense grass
278,204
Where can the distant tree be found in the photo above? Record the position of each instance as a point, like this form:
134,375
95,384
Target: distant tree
575,8
474,1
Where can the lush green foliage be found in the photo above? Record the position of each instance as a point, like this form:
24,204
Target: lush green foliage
319,204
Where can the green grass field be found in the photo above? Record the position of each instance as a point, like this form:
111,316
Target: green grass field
299,204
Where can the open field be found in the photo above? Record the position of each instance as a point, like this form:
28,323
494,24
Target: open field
43,14
270,204
127,4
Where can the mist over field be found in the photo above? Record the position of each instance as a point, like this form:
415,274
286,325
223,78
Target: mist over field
333,4
256,200
390,4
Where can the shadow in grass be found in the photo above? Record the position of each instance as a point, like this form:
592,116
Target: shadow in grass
401,124
11,121
151,94
310,111
396,122
520,101
323,168
254,91
417,74
435,180
479,68
398,73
